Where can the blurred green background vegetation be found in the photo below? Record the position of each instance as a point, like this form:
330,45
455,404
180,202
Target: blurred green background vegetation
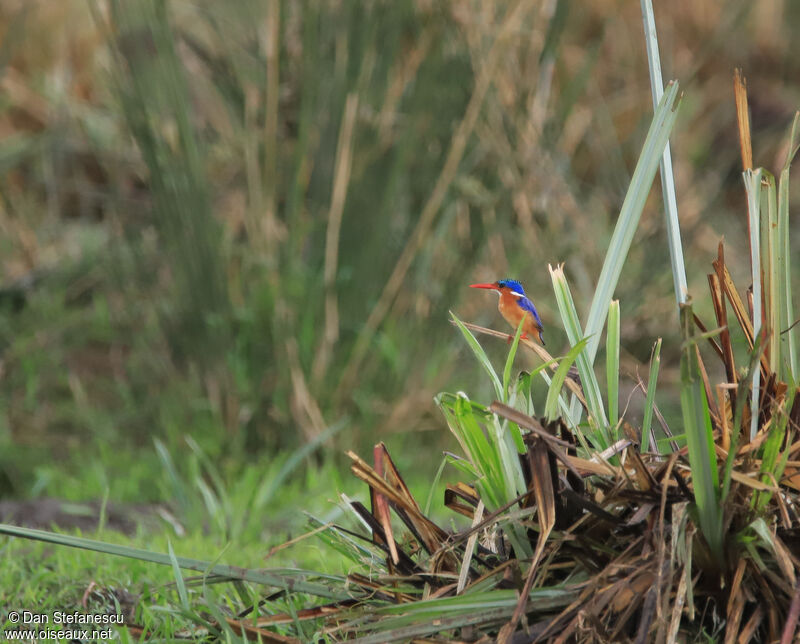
245,222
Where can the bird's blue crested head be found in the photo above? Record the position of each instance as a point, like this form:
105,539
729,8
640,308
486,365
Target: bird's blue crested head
514,285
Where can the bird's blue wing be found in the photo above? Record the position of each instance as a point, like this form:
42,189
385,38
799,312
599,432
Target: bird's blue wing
526,305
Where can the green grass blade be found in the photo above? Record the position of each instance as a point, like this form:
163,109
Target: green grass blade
289,580
612,362
699,438
480,354
628,221
650,400
631,211
176,571
667,178
482,453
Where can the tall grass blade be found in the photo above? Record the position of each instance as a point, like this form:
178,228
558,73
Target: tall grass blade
178,487
628,221
787,334
631,211
650,400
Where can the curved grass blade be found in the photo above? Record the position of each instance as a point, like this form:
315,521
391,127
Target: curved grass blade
631,211
480,354
650,400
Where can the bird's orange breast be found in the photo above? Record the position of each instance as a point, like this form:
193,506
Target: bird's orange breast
510,310
513,314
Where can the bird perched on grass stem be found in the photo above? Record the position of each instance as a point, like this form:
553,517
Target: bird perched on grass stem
514,305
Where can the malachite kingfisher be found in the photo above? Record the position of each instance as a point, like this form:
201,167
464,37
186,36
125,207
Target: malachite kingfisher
515,306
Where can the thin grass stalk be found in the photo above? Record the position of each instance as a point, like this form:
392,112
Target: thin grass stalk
752,184
667,178
650,400
612,362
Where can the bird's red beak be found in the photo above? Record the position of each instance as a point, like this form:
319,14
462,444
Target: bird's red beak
489,286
